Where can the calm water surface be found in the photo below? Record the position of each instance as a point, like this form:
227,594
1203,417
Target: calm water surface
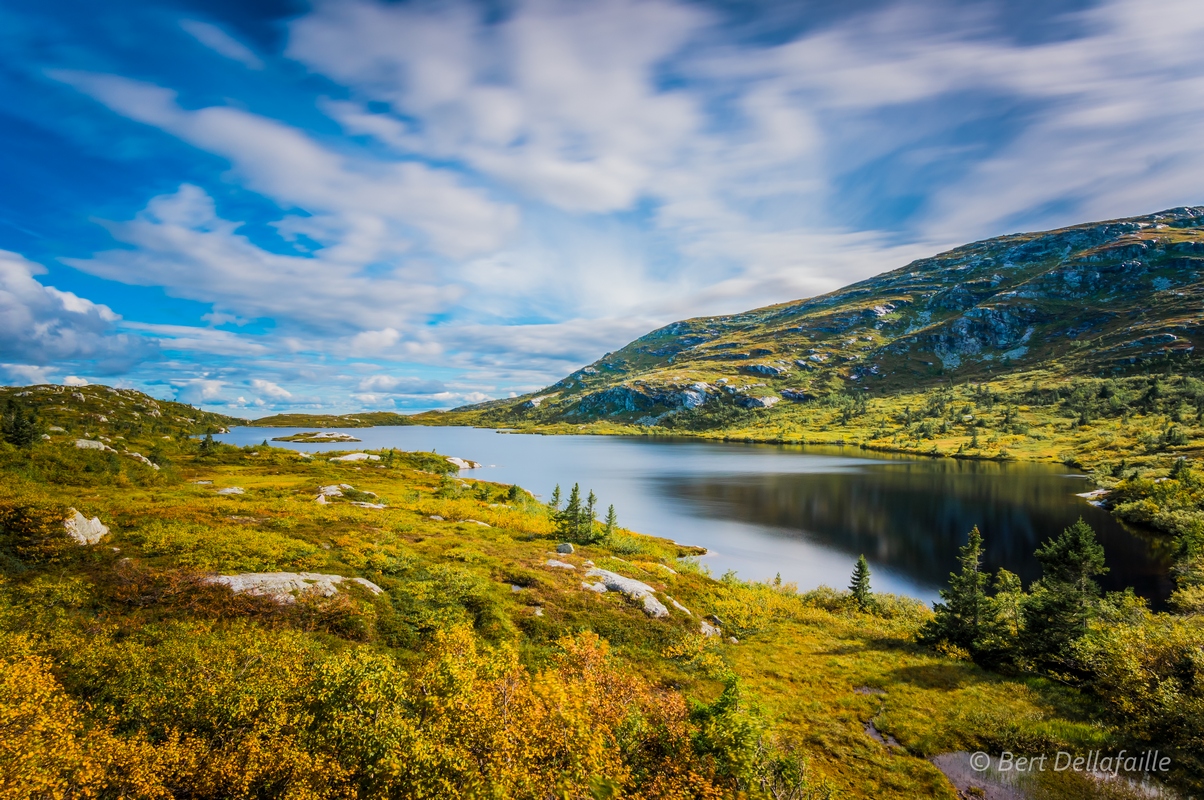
805,513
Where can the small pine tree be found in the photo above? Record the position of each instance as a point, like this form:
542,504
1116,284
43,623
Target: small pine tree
1065,598
20,428
591,516
554,503
860,584
959,620
207,444
612,521
568,521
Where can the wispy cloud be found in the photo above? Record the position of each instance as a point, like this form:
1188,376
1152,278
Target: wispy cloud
454,203
221,42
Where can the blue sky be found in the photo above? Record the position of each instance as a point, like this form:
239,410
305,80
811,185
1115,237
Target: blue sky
260,207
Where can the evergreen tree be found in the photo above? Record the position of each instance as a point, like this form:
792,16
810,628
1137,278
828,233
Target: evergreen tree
591,516
612,521
568,521
1063,601
860,584
19,427
207,444
959,620
554,503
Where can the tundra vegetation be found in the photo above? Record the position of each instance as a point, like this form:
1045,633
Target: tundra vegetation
479,670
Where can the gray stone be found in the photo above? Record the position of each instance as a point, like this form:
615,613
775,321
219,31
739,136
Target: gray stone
565,548
559,564
636,590
680,607
88,444
708,629
280,585
356,457
83,530
599,587
143,459
231,490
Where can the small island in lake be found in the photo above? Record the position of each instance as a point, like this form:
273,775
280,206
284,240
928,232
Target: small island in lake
316,437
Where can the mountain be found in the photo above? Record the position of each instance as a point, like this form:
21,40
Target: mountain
1103,298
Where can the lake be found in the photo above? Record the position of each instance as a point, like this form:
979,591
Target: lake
804,513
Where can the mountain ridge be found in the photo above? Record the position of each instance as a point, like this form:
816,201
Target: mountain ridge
1099,298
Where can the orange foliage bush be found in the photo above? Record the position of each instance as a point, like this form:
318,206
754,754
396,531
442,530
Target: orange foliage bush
239,714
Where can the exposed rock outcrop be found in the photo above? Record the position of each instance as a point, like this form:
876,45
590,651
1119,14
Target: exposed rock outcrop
280,586
636,590
83,530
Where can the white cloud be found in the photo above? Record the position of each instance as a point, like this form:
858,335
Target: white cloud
196,391
73,380
361,208
180,243
41,325
221,42
369,342
270,389
391,384
25,374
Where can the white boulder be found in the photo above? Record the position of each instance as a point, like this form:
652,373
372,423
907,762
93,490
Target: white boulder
461,463
280,585
143,459
559,564
89,444
83,530
680,607
636,590
357,457
231,490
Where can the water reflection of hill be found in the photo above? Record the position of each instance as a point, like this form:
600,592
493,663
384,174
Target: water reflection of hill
913,516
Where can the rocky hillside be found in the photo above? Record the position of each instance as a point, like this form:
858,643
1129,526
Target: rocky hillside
1102,298
87,411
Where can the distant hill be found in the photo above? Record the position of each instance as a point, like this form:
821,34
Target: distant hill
1106,298
93,410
